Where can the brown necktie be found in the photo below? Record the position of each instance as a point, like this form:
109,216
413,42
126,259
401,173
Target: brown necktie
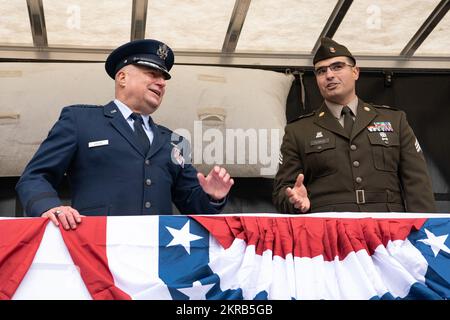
139,131
348,120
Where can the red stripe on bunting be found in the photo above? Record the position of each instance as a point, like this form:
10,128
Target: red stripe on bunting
87,246
20,240
329,237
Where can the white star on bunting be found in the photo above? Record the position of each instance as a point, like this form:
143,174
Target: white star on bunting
183,237
436,243
197,291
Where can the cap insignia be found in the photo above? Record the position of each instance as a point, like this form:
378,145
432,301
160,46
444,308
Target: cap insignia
332,50
162,51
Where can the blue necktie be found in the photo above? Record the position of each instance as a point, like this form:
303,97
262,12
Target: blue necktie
139,131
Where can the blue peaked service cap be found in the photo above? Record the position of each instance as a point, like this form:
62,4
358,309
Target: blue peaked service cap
148,53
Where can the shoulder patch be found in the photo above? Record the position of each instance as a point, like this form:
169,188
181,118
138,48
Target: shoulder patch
306,115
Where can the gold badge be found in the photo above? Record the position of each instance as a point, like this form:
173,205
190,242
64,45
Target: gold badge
321,114
332,50
162,51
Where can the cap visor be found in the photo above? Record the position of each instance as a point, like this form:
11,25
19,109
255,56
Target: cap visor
167,76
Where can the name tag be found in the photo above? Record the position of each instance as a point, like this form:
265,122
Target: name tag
319,141
99,143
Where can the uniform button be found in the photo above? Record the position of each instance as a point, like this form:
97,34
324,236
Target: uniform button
356,164
147,162
353,147
148,182
358,179
148,204
319,147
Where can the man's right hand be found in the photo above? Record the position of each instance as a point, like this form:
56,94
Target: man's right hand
68,216
298,195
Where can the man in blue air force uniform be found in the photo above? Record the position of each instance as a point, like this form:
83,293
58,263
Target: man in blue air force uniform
118,161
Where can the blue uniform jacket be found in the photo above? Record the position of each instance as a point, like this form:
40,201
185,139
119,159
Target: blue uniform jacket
108,172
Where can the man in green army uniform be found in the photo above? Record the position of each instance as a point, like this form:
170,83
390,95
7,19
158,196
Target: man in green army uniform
349,155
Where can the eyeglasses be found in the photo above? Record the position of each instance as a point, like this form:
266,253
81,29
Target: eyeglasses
335,67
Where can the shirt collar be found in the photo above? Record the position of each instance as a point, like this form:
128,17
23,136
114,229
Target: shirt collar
336,109
126,112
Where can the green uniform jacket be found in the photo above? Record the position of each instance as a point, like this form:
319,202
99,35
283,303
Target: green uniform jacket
379,168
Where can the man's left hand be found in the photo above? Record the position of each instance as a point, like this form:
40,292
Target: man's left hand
217,184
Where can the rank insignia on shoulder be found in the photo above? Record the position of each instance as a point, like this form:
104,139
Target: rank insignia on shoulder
381,127
319,134
417,145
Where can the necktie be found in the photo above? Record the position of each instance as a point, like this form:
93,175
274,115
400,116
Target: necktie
139,131
348,120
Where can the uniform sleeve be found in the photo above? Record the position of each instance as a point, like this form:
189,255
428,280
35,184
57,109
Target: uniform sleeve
413,173
187,194
37,185
290,167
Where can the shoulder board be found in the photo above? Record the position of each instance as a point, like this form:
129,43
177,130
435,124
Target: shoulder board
164,128
167,130
174,137
302,116
383,106
85,106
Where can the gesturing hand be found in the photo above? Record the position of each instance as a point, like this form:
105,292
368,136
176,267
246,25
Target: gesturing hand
298,195
217,184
